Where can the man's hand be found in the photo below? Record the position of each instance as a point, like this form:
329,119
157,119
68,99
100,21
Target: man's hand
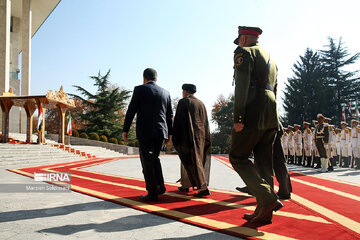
125,136
238,127
168,141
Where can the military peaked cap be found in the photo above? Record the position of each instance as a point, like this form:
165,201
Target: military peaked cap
244,30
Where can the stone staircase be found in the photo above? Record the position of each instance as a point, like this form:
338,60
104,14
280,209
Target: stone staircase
29,154
22,155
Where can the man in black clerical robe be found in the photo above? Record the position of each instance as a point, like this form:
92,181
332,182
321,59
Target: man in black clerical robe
191,139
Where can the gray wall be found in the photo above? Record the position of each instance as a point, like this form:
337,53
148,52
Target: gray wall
86,142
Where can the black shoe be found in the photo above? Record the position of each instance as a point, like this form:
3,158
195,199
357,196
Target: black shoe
202,193
149,198
181,189
265,212
161,190
283,196
244,190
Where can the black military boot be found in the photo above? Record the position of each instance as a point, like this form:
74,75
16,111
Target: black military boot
331,166
318,162
357,162
299,161
308,160
336,160
346,162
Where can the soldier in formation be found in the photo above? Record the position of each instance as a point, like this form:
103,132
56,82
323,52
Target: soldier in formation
342,147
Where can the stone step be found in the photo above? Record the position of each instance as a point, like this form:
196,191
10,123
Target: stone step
11,164
35,154
23,158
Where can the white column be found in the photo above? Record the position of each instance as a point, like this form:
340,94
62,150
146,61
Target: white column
5,12
26,56
4,45
14,48
14,67
26,48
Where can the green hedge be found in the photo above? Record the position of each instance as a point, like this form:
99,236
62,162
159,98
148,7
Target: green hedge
84,135
94,136
113,140
103,138
75,133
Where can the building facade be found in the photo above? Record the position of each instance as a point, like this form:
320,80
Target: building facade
19,21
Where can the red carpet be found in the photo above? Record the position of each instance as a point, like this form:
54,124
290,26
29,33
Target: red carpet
313,213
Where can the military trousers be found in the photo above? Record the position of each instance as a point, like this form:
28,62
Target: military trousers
260,142
280,167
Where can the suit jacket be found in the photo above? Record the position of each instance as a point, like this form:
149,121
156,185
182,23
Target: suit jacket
254,106
152,104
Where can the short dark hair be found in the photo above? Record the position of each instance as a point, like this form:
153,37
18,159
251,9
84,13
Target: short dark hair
150,74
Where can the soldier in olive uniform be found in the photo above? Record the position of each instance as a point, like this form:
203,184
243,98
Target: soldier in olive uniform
321,140
255,121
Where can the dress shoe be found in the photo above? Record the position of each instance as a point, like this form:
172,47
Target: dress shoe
202,193
244,190
149,198
181,189
284,196
161,190
248,216
265,212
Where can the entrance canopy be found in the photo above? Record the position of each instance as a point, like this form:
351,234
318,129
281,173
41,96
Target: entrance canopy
58,100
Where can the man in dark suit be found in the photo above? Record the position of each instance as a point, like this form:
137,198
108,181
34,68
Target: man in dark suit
152,104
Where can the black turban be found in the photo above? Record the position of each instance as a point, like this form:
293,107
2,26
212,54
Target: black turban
191,88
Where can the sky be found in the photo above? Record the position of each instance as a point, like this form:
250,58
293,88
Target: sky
185,41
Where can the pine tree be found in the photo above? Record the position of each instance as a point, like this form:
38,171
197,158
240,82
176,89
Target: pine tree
103,107
344,85
305,93
222,115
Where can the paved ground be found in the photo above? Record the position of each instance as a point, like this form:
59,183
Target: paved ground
74,215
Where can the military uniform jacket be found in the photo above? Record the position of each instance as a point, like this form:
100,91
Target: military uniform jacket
354,136
345,137
298,139
307,137
255,106
322,133
321,138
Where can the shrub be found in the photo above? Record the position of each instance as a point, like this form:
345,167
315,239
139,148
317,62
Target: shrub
122,143
133,143
215,149
84,135
75,133
94,136
113,140
103,138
